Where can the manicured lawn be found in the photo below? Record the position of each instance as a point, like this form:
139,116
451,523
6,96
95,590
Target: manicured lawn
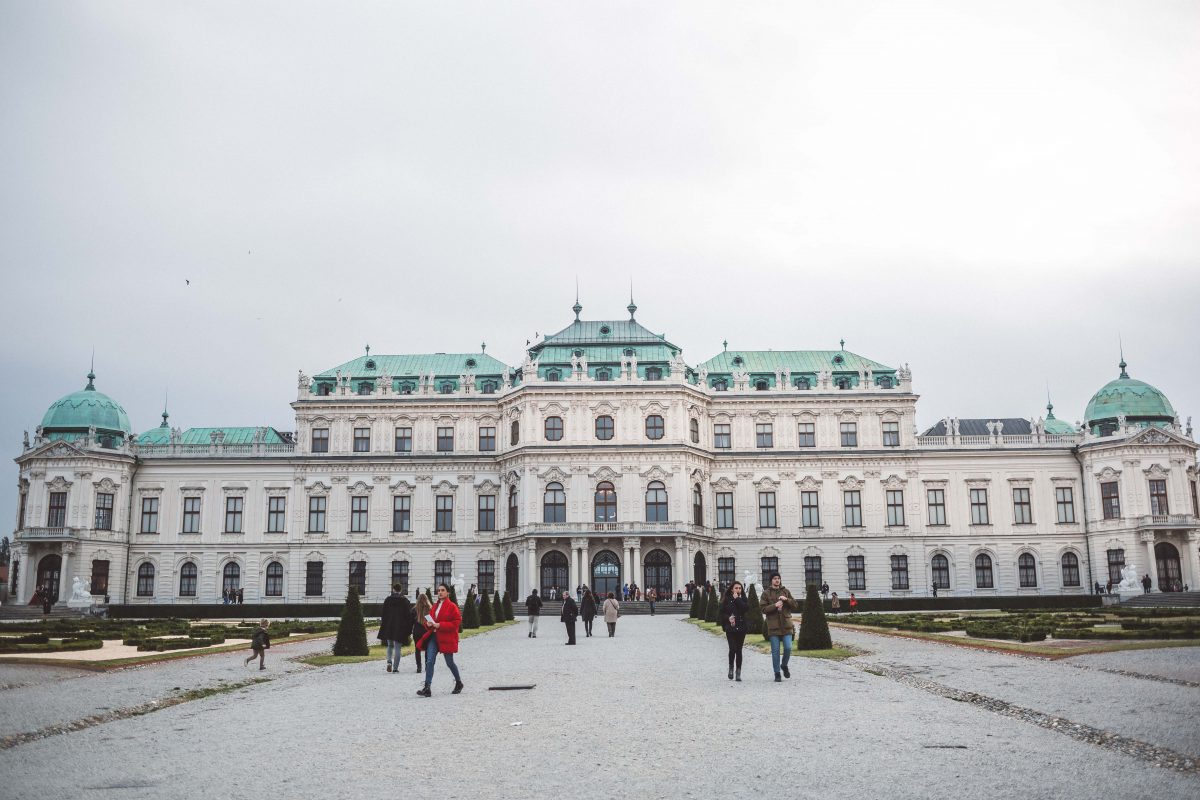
378,652
756,641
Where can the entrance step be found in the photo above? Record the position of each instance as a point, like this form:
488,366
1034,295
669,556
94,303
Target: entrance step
24,612
553,608
1164,600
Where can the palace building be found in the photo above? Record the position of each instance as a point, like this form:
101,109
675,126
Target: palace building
605,458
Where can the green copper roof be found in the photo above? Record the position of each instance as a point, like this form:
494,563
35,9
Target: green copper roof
84,409
1135,399
162,435
602,333
410,366
767,361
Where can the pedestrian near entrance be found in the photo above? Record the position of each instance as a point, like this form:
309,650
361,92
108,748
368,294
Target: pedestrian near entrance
612,611
733,619
935,590
853,604
533,610
1146,583
651,598
260,642
835,603
587,610
570,612
424,606
777,604
395,625
625,593
824,589
442,637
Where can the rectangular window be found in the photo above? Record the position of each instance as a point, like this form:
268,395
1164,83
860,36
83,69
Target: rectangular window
1158,498
320,440
853,509
402,513
403,440
764,434
1110,500
810,510
445,440
104,512
400,575
359,514
57,518
314,578
812,571
1022,507
899,573
233,514
769,564
895,507
849,434
487,579
766,510
979,507
891,434
276,514
149,515
487,439
1064,500
512,508
99,584
724,509
808,434
487,512
856,573
1116,563
1195,503
358,576
25,497
191,515
727,571
936,500
442,573
316,515
445,513
362,440
722,439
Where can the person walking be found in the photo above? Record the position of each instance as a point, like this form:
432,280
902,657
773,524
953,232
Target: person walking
651,598
835,603
733,619
777,604
853,604
587,610
612,612
260,642
1146,583
241,594
442,637
47,601
935,590
422,609
533,611
625,593
824,590
570,612
395,625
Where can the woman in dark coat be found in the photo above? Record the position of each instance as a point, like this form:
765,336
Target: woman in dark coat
424,606
733,619
587,610
395,626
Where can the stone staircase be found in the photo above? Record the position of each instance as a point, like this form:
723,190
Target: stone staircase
1163,600
23,613
553,608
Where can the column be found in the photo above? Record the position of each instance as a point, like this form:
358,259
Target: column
580,545
1192,542
531,575
678,574
574,569
64,575
23,584
628,547
637,564
1151,563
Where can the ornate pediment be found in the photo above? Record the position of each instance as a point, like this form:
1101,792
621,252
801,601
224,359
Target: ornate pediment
554,474
894,481
765,483
656,473
106,485
59,484
768,552
361,487
605,474
724,484
553,409
851,483
809,482
402,487
1155,436
1156,471
1108,474
317,488
444,487
486,486
401,555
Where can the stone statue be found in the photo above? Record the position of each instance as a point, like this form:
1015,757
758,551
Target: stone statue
748,580
26,442
459,587
81,594
1129,580
302,382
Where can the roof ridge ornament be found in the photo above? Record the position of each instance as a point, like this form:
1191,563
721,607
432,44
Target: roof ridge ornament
91,376
577,308
1122,365
632,307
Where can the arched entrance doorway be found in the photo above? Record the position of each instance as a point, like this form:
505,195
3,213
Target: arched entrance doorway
606,574
658,574
512,577
1170,577
48,573
555,574
701,571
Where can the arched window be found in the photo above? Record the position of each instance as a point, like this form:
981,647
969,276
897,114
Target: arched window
803,383
761,385
145,580
555,575
554,429
552,375
512,506
604,427
446,388
187,579
606,502
941,571
655,427
720,385
603,375
697,505
656,502
654,373
1070,569
1027,570
231,577
274,586
515,432
554,504
694,429
842,382
983,571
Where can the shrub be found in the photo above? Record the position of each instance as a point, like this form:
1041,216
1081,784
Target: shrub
487,615
694,611
754,617
814,629
712,608
352,631
470,617
508,607
498,608
454,595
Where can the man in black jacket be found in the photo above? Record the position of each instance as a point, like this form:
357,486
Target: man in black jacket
569,613
395,625
533,609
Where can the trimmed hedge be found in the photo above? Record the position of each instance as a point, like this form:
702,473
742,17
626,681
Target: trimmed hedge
67,644
161,645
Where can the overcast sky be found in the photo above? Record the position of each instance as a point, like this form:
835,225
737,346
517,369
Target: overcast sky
990,192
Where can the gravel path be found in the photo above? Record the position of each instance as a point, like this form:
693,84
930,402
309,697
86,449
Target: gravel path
647,714
1175,663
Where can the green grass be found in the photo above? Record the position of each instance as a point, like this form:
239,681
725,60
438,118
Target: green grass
379,652
755,642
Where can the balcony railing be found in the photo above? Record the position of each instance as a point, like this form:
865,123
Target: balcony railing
48,534
1054,440
616,528
215,450
1168,521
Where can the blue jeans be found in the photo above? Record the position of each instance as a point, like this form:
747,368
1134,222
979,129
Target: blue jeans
393,646
431,654
787,651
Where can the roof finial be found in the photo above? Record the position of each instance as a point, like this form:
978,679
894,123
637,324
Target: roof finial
91,376
165,415
483,347
632,307
1122,365
725,344
1049,405
368,351
842,344
577,308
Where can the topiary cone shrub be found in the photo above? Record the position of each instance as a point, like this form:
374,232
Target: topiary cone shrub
454,595
508,608
498,608
814,629
352,631
470,617
487,615
754,617
695,612
711,609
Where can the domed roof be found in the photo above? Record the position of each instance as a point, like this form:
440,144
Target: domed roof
84,409
1054,425
1136,400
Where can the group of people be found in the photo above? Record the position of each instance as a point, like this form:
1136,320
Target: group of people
835,602
233,596
43,596
777,605
586,608
432,625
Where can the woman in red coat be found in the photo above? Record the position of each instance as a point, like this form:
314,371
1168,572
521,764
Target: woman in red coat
442,637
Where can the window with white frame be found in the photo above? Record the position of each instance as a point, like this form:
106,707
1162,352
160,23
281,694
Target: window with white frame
360,508
276,514
1022,506
810,509
316,514
852,505
856,573
233,514
895,507
935,499
766,510
899,573
1064,502
402,513
891,434
149,515
979,507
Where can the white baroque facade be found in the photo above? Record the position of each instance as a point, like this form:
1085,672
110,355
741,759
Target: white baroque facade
605,458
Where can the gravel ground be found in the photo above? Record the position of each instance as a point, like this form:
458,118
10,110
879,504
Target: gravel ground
1176,663
647,714
1146,710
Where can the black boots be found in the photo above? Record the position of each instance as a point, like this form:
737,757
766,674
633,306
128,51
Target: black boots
424,691
778,679
731,672
738,674
786,674
458,687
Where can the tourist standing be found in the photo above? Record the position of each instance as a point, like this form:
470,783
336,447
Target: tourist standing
835,604
612,611
395,625
935,590
853,604
259,642
824,590
651,597
424,606
587,610
733,619
241,594
533,611
625,593
47,601
777,605
443,621
1146,583
570,612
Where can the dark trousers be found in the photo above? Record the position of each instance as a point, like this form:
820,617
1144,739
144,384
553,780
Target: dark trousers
570,631
587,627
735,641
419,655
612,629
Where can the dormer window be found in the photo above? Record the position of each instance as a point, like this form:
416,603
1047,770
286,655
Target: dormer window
488,387
761,385
370,363
885,382
605,330
738,361
654,373
720,385
839,360
842,382
552,375
803,383
406,388
629,352
323,389
446,388
471,362
364,387
578,353
603,375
